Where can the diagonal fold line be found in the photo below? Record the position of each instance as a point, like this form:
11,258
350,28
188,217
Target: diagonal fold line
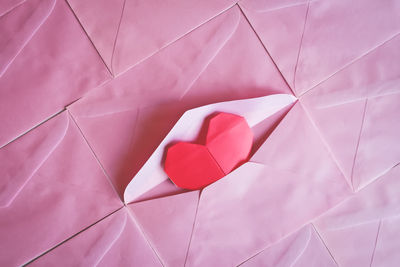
193,227
12,8
327,147
112,242
87,36
173,41
139,227
215,54
376,243
43,161
116,38
323,242
266,50
303,250
69,238
300,46
358,144
351,63
95,156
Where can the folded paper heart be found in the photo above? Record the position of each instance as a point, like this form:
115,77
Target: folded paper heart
228,144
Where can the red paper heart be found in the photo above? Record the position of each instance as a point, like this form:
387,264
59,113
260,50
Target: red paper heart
228,144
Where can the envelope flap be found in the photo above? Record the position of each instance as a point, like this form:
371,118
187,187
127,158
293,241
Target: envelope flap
353,245
130,24
176,67
280,26
24,156
18,26
302,248
102,30
372,203
102,244
187,128
8,5
357,228
297,146
387,243
258,201
284,252
167,223
340,126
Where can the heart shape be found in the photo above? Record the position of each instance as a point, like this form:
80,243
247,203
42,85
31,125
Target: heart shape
228,144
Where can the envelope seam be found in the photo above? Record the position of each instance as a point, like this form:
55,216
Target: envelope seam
358,144
267,52
300,47
193,227
357,59
116,38
376,178
173,41
33,128
95,156
357,99
69,238
88,37
327,147
38,167
376,242
323,242
303,250
113,242
30,35
12,8
211,60
144,235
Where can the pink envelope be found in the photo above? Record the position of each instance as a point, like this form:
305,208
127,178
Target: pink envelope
321,185
126,119
365,229
312,40
290,180
47,194
302,248
129,31
114,241
46,62
267,202
358,117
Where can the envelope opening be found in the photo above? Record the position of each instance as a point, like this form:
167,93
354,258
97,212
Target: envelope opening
258,112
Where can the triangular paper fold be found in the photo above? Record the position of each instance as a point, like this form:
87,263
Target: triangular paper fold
18,26
302,248
168,224
20,161
103,244
128,34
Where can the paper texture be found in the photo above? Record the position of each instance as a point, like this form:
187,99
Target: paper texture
93,92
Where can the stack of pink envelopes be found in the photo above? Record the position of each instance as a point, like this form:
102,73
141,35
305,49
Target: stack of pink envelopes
93,92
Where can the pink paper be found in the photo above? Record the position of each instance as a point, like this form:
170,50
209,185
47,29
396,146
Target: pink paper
317,81
43,198
307,52
147,26
46,63
115,241
302,248
365,228
194,71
